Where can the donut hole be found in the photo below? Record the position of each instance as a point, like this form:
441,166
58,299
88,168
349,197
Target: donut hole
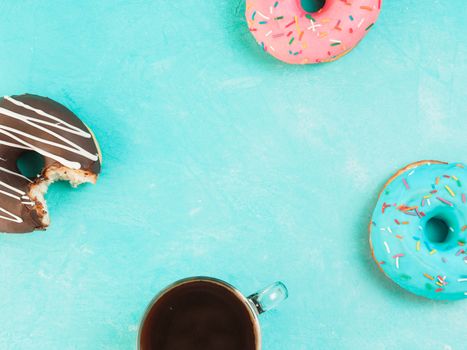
437,230
312,5
30,164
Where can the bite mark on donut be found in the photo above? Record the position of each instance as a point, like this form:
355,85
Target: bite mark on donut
39,187
69,149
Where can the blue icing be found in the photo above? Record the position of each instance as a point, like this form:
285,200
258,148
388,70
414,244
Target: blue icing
419,239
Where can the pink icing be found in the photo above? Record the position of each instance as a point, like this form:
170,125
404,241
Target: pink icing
286,31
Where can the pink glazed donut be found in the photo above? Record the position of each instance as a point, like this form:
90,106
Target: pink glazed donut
289,33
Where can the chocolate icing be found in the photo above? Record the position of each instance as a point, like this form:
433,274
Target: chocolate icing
34,123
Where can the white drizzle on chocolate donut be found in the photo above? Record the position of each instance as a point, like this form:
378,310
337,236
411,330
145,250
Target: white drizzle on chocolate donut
70,152
34,122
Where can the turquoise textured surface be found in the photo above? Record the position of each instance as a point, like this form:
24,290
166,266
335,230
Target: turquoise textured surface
221,161
418,230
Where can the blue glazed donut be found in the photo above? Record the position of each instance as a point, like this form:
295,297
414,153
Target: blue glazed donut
419,227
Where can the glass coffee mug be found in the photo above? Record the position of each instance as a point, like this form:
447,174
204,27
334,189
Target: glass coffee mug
206,313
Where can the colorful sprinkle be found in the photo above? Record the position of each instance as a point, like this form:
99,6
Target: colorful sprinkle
406,184
449,191
371,25
387,247
262,15
445,201
442,280
429,277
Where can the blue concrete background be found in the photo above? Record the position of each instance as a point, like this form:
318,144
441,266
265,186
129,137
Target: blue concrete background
221,161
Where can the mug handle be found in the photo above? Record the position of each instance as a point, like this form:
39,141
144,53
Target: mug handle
269,297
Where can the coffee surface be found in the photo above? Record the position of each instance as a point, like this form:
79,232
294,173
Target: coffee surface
198,315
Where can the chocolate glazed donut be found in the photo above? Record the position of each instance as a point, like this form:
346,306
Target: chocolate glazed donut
68,147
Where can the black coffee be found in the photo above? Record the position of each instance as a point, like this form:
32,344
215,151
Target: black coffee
198,316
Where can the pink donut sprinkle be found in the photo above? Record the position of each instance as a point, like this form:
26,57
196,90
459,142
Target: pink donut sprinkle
289,33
